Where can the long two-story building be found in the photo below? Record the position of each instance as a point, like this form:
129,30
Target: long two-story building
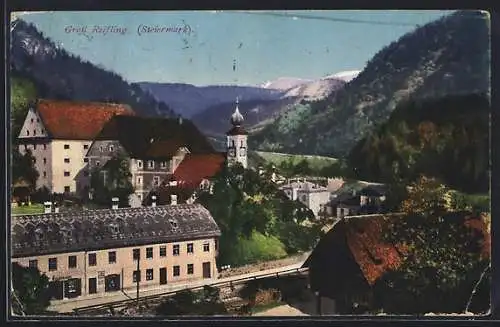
98,251
59,134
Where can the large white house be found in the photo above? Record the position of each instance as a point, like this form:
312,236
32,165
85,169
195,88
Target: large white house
314,196
59,134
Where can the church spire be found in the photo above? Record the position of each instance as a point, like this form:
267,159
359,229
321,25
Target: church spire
237,117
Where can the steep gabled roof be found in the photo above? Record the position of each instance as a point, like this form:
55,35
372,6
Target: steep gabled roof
197,167
72,120
100,229
363,237
154,138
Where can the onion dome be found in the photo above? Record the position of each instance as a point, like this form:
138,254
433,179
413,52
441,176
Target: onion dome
237,117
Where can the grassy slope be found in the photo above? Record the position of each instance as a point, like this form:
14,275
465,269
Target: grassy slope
315,162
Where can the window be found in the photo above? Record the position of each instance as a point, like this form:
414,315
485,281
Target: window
101,148
66,146
66,160
190,269
32,120
34,132
52,264
151,164
190,248
72,261
206,247
66,189
66,174
216,244
177,270
33,263
136,254
44,161
136,276
139,163
97,163
45,146
156,181
149,253
176,249
27,132
37,120
163,164
111,148
163,251
92,259
139,180
85,146
112,257
34,160
34,146
85,159
149,274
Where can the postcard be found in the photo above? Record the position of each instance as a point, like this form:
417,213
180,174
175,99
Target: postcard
250,163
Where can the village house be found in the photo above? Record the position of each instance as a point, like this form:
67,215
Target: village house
314,196
153,148
352,256
88,253
58,134
367,200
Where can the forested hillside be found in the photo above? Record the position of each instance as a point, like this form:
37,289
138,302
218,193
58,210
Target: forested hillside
447,57
447,138
58,74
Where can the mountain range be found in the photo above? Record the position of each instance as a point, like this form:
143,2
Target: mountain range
58,74
450,56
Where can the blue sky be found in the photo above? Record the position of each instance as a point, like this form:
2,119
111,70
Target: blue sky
229,47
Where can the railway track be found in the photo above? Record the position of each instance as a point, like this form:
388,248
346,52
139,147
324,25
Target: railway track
152,300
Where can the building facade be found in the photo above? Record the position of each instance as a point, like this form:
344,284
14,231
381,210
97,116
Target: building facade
314,196
99,251
153,152
59,134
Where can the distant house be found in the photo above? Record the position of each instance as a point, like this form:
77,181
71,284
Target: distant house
96,252
154,148
314,196
59,133
352,256
369,200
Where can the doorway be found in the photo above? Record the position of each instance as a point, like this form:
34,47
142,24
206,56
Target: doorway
73,288
206,270
163,276
92,285
112,283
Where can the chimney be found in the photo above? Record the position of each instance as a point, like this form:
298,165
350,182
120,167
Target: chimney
153,198
114,202
56,207
173,199
47,207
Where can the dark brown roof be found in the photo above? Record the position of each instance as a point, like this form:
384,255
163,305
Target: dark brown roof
374,256
100,229
197,167
154,138
72,120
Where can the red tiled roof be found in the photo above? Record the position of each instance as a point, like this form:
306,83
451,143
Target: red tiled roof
375,257
197,167
78,120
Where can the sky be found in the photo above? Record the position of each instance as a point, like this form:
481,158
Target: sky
227,47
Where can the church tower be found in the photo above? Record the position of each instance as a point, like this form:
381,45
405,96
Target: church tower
237,139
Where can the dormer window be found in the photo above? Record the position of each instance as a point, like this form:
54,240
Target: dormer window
111,148
151,164
139,163
163,164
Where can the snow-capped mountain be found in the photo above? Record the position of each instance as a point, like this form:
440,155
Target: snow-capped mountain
316,90
345,76
284,83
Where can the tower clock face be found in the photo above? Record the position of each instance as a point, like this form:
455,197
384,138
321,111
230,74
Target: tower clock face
243,152
232,152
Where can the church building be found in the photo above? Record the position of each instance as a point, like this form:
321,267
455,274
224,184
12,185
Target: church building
237,139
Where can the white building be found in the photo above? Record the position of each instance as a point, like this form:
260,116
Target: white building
237,139
312,195
59,133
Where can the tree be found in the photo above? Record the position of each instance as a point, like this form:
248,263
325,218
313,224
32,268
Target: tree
112,180
23,168
31,290
22,94
442,256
